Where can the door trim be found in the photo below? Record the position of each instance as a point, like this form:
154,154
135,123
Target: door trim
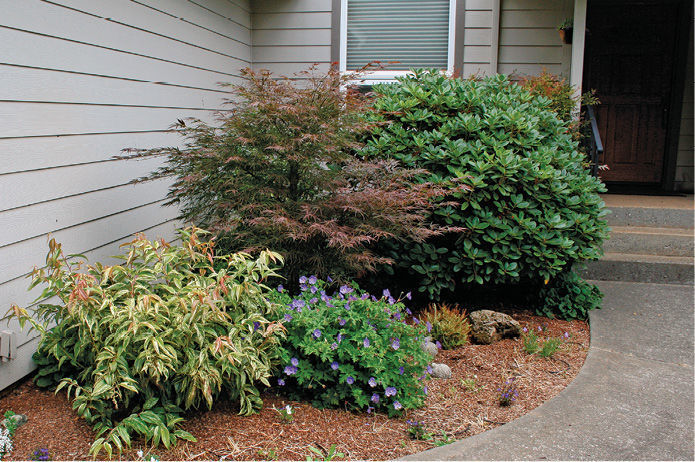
683,36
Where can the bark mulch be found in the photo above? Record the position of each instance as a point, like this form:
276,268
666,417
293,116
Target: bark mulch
456,408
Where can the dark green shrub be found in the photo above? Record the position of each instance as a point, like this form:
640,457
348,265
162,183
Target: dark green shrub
278,172
450,326
351,349
138,343
533,209
568,296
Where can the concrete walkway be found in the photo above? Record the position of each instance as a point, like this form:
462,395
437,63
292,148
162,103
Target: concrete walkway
632,399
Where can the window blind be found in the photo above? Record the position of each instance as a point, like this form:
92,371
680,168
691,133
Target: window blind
413,32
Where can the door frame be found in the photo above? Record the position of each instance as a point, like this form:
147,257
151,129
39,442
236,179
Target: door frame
678,76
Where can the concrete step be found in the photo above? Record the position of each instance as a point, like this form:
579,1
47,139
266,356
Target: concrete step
652,217
641,268
677,242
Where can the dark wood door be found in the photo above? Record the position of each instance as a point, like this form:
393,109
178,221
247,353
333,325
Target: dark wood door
629,59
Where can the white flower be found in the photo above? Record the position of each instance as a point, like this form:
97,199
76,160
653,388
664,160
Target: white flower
288,409
140,453
5,442
152,459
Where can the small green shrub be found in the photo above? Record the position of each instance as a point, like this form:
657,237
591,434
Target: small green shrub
550,346
449,325
350,349
530,341
529,208
568,296
136,344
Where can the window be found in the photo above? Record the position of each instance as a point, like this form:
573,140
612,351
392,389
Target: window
416,33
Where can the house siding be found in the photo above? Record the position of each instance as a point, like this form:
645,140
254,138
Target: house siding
290,35
79,81
684,163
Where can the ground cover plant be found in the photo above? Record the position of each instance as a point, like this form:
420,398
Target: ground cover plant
450,326
277,171
533,211
171,328
351,349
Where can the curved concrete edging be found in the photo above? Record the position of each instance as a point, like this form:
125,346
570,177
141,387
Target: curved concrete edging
632,399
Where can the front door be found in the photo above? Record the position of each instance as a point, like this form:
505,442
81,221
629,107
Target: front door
629,60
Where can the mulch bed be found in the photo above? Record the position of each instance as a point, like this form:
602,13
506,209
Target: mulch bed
453,410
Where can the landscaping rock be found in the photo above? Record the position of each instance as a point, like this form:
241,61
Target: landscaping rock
440,371
430,348
489,326
19,420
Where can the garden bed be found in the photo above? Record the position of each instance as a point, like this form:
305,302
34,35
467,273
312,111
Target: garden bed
456,408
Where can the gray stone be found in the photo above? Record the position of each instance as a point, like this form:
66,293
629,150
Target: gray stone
19,420
489,326
430,348
440,371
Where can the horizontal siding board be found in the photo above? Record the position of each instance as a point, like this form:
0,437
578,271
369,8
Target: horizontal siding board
237,10
522,70
22,154
290,69
476,54
17,259
471,69
478,37
290,37
530,19
42,218
50,19
292,54
685,156
232,20
41,85
151,15
31,50
533,5
26,188
478,5
530,55
291,6
477,19
320,20
530,37
44,119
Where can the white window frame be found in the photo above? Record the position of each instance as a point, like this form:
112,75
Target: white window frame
390,76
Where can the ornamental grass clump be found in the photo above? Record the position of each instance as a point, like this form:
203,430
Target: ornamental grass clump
170,328
450,326
350,349
278,171
533,210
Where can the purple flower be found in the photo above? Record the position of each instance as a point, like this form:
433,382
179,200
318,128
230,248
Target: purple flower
294,361
424,389
302,279
290,370
288,317
439,345
373,298
281,288
392,300
350,380
416,320
375,398
325,298
364,296
341,321
303,287
335,365
372,382
525,329
365,342
317,333
540,329
396,344
329,279
409,296
566,335
312,280
397,316
397,406
429,369
401,370
386,293
256,325
298,304
391,391
347,306
334,346
408,312
340,337
313,300
313,289
344,290
281,382
429,326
